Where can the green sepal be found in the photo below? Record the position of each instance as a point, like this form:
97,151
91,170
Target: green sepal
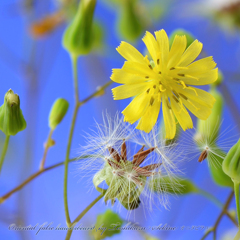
11,117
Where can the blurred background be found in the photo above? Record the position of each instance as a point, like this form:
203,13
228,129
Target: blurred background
34,64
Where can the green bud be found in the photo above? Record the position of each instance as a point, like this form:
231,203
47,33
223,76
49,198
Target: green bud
107,220
172,186
231,163
130,22
217,173
11,118
210,128
77,38
181,32
57,113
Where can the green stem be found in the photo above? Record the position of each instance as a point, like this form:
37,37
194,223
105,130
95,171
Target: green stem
81,215
236,191
74,118
4,151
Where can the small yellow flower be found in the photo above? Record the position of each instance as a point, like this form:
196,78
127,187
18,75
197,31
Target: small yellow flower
165,80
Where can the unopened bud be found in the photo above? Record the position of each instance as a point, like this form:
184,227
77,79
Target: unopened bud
130,22
219,79
57,113
109,220
11,118
231,163
77,38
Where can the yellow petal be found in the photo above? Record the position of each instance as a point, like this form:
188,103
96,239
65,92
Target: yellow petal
163,43
198,109
130,53
191,53
202,79
139,69
181,114
178,47
169,119
151,45
196,94
149,119
121,76
129,90
201,66
136,108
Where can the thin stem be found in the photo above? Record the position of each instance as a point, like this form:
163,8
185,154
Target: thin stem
214,229
96,93
4,151
33,176
81,215
217,203
47,146
74,118
236,191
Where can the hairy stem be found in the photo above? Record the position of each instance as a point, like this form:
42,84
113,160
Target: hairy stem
4,151
81,215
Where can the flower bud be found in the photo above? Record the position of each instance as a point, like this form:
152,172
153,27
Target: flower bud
11,118
181,32
166,184
77,38
109,220
231,163
210,128
57,113
129,22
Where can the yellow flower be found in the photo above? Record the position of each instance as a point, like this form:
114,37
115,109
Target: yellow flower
165,79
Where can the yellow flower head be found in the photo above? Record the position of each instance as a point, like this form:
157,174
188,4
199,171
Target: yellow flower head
165,80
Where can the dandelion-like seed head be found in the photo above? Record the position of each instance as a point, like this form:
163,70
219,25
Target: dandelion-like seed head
123,175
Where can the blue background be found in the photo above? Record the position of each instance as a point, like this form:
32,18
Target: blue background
50,78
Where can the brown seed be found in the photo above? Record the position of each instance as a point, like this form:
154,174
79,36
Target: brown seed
203,156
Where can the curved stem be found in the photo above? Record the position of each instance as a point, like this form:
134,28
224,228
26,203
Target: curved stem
4,151
74,118
236,191
81,215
